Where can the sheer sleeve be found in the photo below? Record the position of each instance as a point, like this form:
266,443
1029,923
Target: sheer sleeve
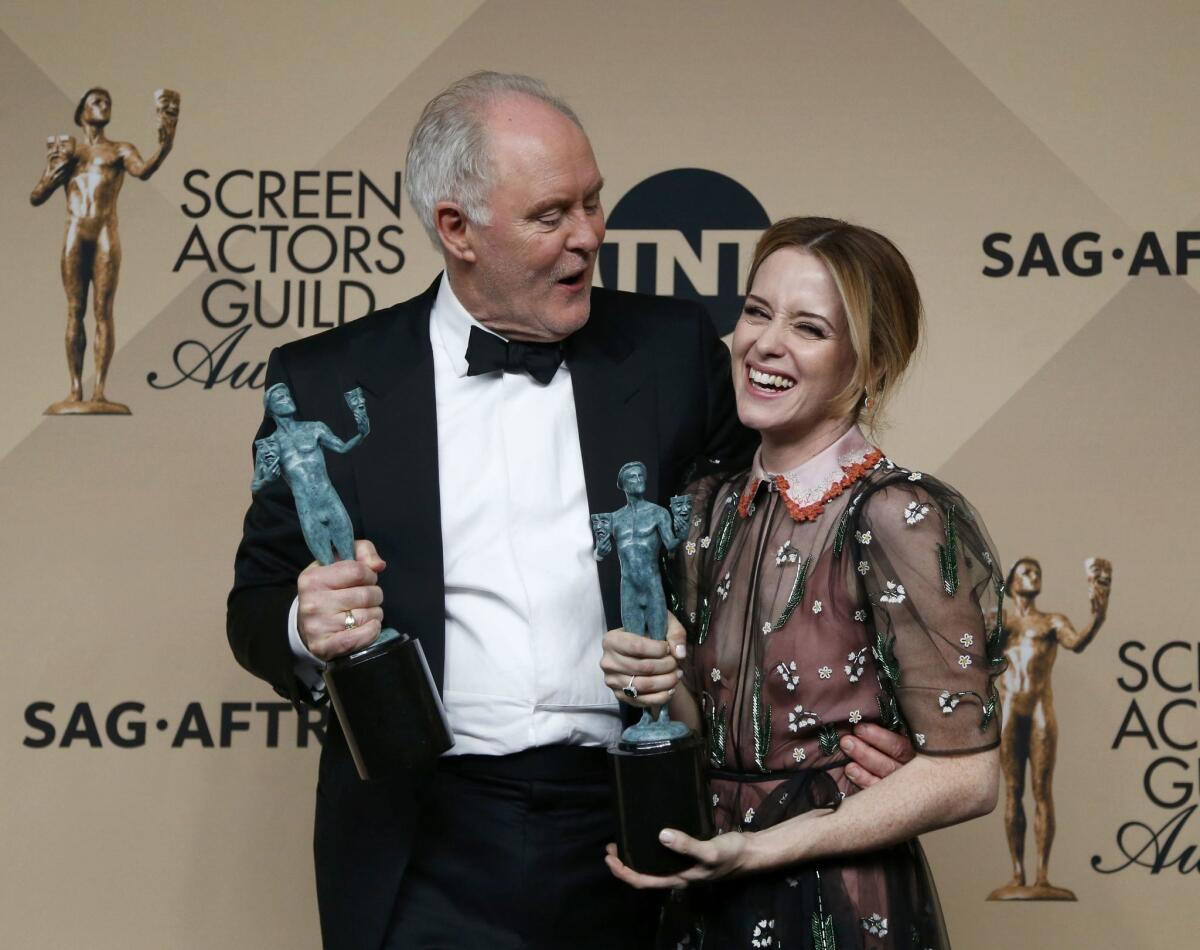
932,587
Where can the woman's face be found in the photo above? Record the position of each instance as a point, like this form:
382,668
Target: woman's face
791,351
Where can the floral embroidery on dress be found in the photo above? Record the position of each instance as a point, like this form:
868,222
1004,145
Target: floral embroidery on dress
862,537
893,594
798,754
855,716
690,548
987,558
914,476
964,661
857,663
966,640
875,925
767,628
749,816
723,587
705,541
716,800
763,934
825,672
860,616
791,679
816,607
920,737
863,567
948,701
801,718
716,675
914,512
786,554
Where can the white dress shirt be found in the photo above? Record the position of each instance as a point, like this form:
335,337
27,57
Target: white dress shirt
524,617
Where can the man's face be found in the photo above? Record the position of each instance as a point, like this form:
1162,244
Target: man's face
634,480
97,109
1027,578
531,277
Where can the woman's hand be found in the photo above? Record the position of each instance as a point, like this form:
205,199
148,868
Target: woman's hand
722,856
641,671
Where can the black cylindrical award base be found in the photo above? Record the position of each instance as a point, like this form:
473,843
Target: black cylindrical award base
388,707
659,786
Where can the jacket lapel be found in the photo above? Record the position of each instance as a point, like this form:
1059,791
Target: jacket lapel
396,473
615,404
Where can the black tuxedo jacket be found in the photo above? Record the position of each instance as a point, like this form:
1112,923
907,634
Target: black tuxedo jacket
651,382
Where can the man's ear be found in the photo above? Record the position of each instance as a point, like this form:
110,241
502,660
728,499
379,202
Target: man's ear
454,230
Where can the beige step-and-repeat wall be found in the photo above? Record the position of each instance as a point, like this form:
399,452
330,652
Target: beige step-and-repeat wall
1037,162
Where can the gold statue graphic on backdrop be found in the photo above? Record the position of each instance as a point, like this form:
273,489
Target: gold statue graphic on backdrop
1030,735
91,173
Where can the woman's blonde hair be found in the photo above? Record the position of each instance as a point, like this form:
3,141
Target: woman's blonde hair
879,295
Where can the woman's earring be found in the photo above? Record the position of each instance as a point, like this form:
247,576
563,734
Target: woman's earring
868,401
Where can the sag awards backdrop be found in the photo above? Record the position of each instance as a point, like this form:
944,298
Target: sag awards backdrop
1036,162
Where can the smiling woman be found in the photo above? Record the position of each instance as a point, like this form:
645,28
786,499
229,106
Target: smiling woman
826,589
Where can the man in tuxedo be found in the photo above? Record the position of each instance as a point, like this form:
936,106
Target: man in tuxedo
473,495
503,401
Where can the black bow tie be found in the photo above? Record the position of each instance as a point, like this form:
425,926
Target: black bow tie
487,353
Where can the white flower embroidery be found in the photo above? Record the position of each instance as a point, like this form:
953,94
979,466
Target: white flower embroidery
716,675
862,537
763,935
692,616
855,717
816,607
705,542
966,640
987,558
792,881
914,476
964,661
854,669
863,567
697,521
800,718
791,679
767,628
749,816
860,616
875,925
825,672
920,738
723,587
786,554
893,594
716,800
948,701
915,512
690,547
798,754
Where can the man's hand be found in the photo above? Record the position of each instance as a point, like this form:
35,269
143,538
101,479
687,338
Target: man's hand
325,595
876,753
651,667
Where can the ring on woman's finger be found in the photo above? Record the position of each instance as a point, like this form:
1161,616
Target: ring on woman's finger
629,689
349,623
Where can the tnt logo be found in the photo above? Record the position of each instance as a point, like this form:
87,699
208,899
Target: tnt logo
689,233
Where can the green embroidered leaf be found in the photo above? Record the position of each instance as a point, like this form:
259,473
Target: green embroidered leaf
703,620
994,642
839,536
948,554
827,739
716,735
889,711
727,528
761,714
796,595
884,652
822,932
989,710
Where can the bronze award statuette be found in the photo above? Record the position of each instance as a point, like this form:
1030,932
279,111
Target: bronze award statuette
91,172
1029,739
384,695
657,767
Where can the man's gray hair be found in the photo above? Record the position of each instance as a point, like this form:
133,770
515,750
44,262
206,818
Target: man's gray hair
448,158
